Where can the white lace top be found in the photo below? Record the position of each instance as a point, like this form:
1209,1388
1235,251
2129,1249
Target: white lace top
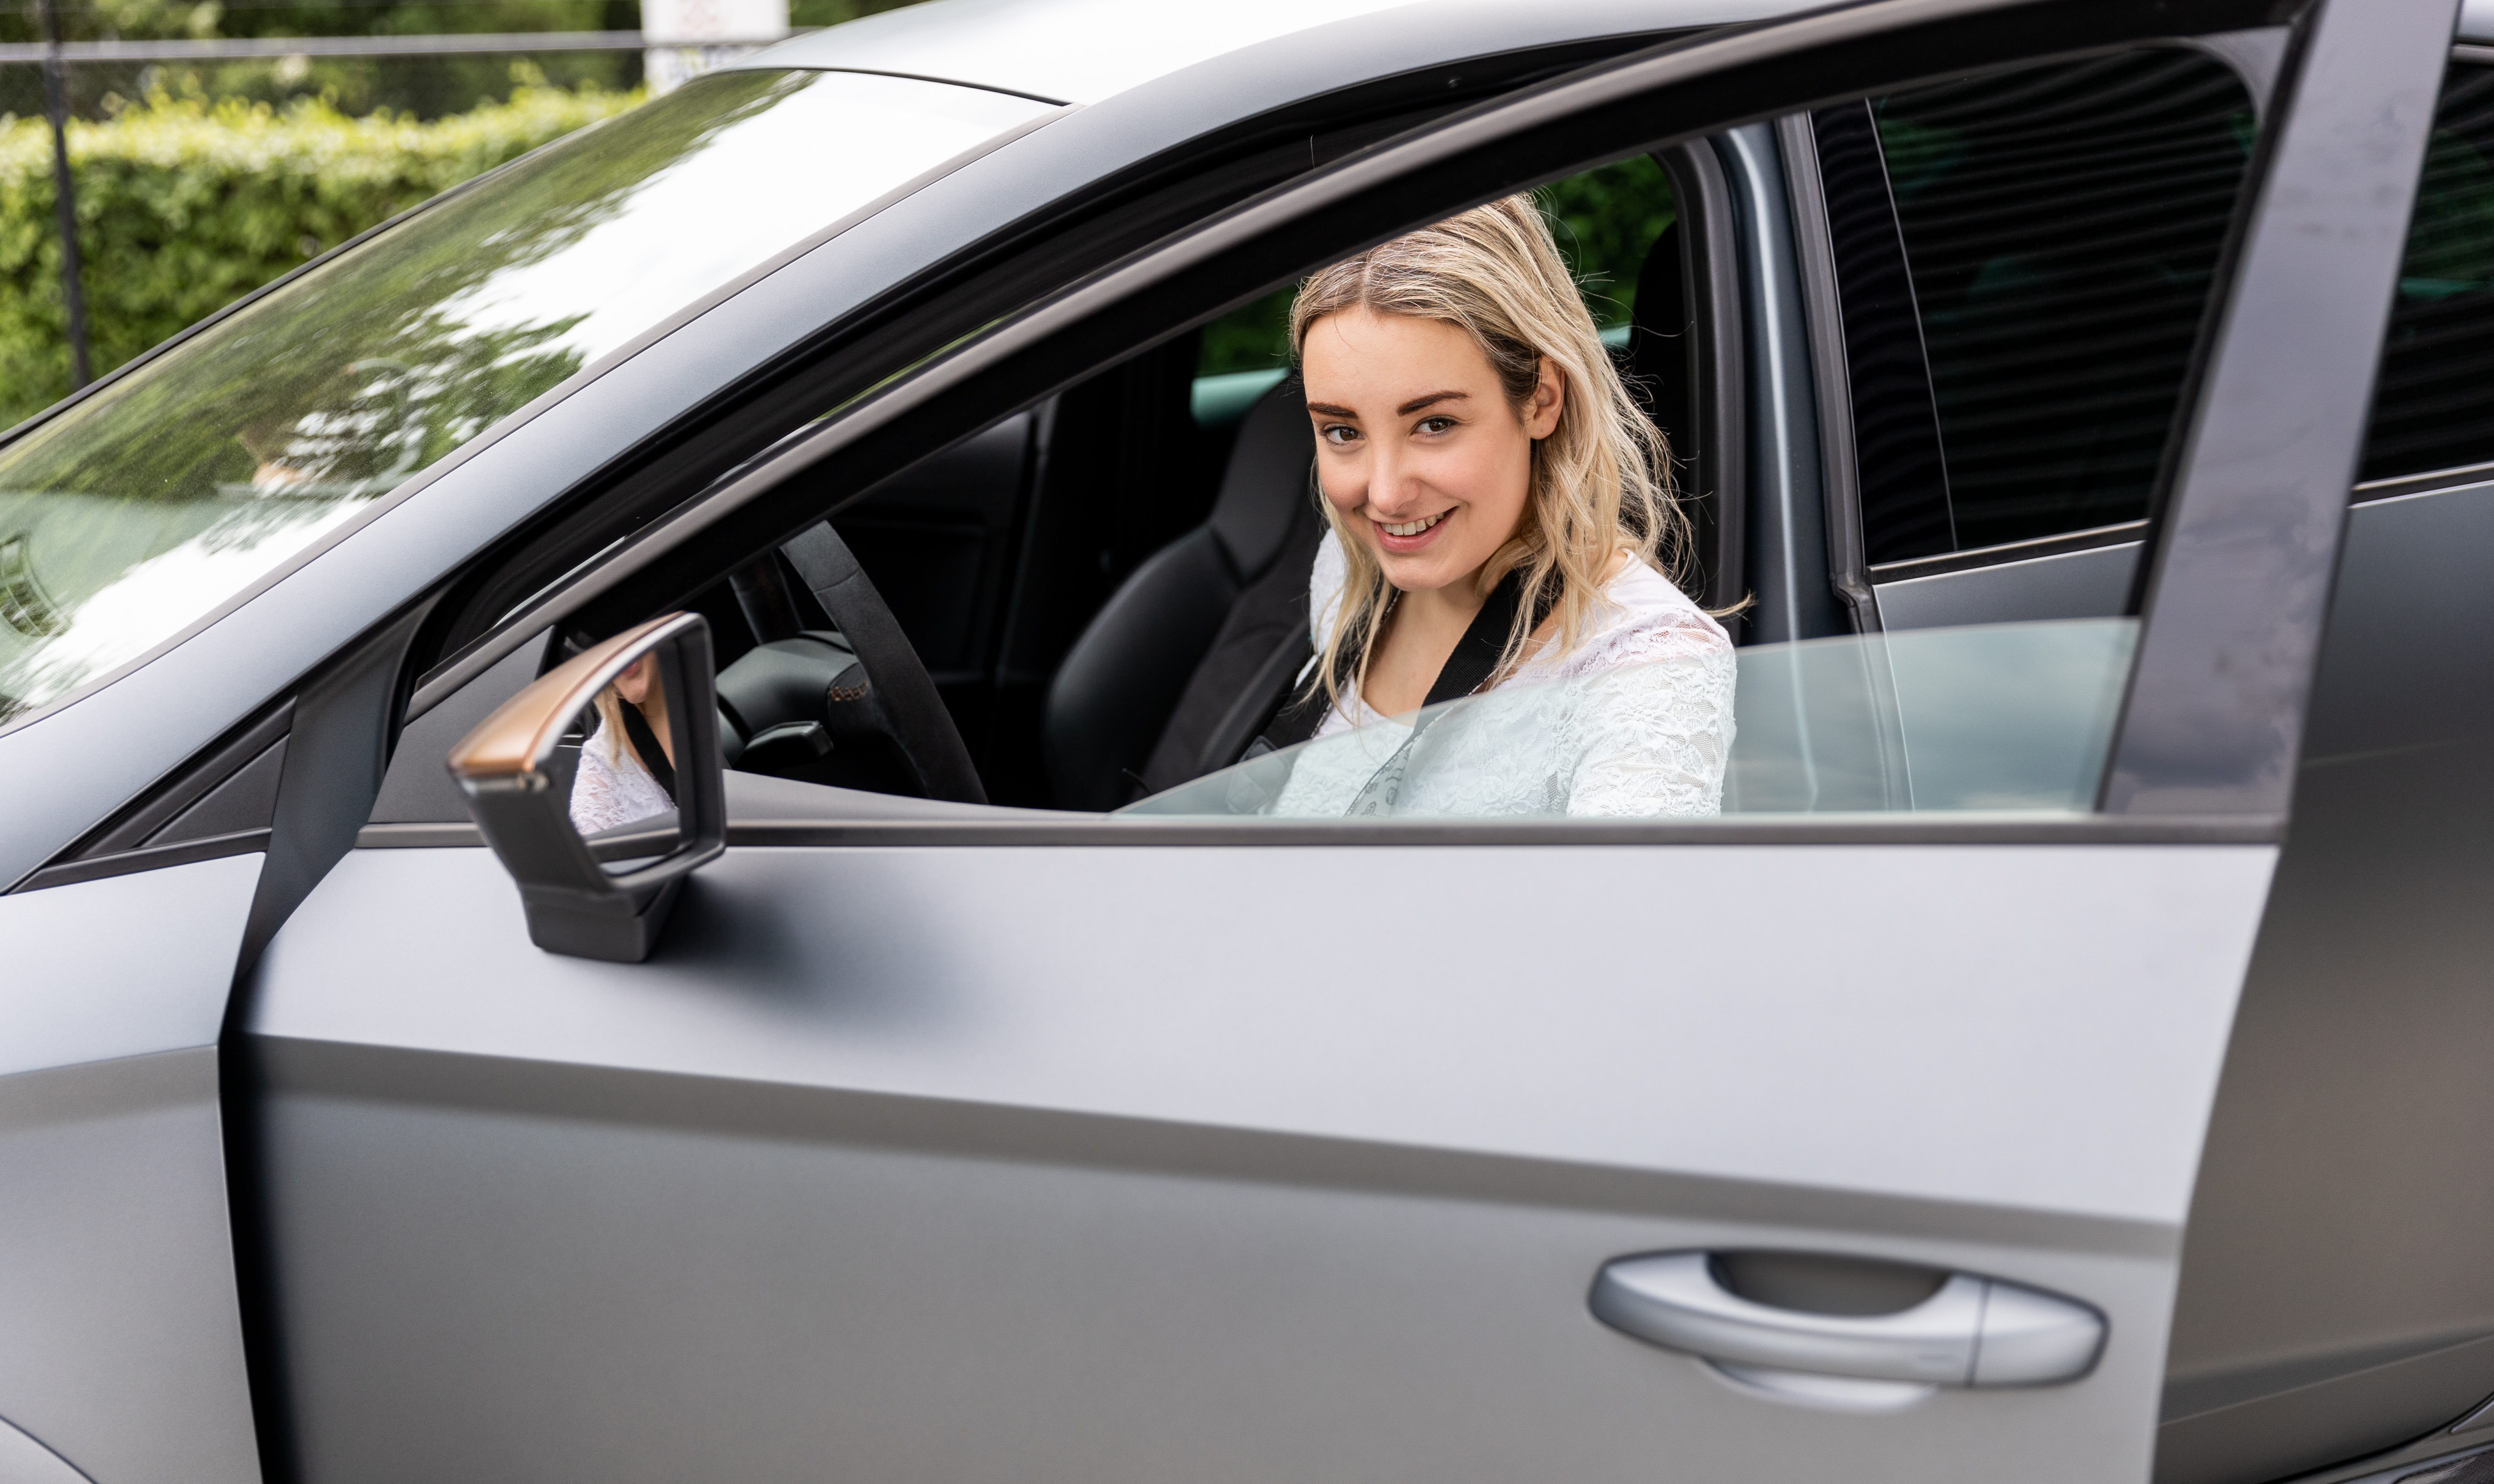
612,789
1634,721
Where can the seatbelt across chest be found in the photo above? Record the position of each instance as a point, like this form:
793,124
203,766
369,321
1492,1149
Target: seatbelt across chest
1470,667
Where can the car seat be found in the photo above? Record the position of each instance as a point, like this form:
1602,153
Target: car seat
1159,688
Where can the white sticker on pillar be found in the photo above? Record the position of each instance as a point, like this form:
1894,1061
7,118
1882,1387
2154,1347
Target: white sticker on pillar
691,37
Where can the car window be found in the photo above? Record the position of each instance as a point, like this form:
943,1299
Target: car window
2433,408
2059,230
1202,632
137,511
2006,718
1138,617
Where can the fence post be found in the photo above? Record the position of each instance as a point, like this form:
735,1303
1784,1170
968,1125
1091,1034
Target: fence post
56,104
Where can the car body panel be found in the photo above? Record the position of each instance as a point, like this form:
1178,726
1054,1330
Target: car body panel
116,1251
1018,45
1003,1170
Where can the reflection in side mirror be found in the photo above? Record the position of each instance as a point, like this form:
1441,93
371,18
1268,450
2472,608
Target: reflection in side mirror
601,837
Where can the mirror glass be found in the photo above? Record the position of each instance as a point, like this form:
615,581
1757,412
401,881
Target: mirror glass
617,764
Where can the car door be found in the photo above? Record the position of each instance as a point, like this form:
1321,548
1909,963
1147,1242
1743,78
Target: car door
2309,1330
966,1146
123,1354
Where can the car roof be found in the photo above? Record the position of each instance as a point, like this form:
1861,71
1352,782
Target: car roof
1083,52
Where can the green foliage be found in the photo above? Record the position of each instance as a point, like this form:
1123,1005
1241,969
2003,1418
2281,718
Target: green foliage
1254,337
1605,221
427,87
184,206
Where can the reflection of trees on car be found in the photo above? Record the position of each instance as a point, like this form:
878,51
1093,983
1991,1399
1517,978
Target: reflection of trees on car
411,306
279,420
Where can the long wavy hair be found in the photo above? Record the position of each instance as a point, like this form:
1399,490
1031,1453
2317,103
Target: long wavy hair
1600,482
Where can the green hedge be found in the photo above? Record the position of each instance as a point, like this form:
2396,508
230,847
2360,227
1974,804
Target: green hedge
184,206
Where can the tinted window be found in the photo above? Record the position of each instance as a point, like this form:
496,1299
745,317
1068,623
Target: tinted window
2434,408
2061,229
140,509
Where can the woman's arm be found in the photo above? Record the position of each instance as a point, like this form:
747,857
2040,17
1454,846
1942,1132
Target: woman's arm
1653,737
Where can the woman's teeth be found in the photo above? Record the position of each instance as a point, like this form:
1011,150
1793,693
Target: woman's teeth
1414,528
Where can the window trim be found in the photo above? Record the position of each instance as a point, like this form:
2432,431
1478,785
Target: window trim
1717,376
1748,829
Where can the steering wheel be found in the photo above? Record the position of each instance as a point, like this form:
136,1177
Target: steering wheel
796,699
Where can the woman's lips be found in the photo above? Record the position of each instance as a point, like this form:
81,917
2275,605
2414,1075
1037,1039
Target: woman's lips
1414,539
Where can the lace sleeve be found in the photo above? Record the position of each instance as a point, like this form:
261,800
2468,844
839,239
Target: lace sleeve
606,791
1653,735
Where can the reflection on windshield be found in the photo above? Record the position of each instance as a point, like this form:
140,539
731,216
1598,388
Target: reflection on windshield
2002,718
129,515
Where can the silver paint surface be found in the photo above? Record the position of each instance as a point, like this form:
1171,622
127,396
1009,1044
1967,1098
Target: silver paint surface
122,1347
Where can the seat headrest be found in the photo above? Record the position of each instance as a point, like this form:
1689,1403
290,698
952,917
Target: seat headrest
1267,479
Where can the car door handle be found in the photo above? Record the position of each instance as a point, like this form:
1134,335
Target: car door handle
1972,1332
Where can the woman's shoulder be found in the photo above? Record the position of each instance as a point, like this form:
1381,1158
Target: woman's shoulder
1644,618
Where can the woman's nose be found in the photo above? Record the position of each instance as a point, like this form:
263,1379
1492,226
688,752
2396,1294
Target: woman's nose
1391,485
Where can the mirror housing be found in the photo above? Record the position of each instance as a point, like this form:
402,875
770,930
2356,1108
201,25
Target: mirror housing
602,897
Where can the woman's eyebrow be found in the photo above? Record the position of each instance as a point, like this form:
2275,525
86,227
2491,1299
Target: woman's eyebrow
1329,410
1418,403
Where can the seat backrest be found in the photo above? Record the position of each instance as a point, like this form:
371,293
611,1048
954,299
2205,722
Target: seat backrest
1115,694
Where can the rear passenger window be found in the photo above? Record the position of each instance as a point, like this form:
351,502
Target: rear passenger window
2432,409
2059,228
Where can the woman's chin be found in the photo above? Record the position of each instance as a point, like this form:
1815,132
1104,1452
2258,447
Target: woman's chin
1420,572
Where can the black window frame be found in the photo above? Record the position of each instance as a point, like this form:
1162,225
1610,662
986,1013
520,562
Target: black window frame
2451,476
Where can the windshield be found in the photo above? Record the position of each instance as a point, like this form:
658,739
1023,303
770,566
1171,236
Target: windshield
2008,718
134,513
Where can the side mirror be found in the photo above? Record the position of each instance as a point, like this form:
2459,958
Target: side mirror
602,891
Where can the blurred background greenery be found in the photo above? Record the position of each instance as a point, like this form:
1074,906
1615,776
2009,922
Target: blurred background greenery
196,183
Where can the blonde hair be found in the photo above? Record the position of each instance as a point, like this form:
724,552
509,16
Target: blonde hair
610,716
1600,482
610,704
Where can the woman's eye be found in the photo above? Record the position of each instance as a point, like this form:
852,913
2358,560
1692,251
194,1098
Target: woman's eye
1338,434
1434,424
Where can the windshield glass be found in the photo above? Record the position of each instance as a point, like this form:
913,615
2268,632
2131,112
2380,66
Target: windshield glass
2010,718
134,513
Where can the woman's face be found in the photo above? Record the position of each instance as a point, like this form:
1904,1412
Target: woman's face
1417,448
633,685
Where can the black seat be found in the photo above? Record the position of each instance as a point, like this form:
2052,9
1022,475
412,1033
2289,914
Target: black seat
1160,685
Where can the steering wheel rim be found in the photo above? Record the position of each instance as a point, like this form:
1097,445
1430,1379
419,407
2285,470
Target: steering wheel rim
921,726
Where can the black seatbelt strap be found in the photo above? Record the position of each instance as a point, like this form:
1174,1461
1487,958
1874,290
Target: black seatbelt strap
1467,670
1475,657
645,742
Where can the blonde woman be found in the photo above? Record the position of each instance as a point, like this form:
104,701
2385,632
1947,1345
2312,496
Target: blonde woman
627,766
1495,500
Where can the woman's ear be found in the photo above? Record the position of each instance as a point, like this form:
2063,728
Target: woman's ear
1549,399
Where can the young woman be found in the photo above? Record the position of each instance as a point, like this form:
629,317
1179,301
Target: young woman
1478,452
627,766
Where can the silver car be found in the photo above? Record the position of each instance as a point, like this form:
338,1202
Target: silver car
2063,1058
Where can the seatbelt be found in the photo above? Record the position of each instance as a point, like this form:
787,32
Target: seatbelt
1474,660
644,742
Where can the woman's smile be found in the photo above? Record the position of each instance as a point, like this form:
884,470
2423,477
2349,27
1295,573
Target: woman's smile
1410,536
